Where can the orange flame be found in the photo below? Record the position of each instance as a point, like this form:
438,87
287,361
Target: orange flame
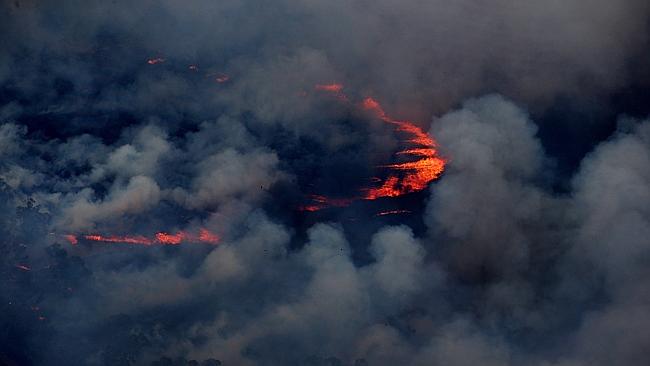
333,87
206,236
417,174
170,239
406,177
160,238
418,151
72,239
388,189
321,202
138,239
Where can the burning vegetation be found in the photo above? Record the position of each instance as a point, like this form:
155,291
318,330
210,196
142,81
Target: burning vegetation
422,166
204,236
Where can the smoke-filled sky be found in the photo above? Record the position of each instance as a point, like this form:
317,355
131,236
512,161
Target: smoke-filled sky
301,182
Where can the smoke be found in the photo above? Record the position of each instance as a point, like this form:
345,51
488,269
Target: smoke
488,203
531,248
498,227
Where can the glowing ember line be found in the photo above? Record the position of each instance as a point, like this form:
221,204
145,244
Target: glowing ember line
417,174
321,202
120,239
388,189
206,236
311,208
419,151
430,165
170,239
72,239
406,177
160,238
333,88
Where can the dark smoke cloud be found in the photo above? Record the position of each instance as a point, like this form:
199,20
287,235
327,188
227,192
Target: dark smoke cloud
496,224
531,249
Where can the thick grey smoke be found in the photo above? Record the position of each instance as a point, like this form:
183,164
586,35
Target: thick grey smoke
488,204
492,220
139,117
416,55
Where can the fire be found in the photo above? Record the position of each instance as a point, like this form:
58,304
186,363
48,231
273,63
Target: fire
120,239
154,61
170,239
388,189
417,174
333,87
429,153
419,137
311,208
206,236
404,177
72,239
321,202
372,105
160,238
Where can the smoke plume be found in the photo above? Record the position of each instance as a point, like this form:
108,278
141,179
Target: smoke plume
324,183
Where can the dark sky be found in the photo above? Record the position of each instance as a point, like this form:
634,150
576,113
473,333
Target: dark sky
129,118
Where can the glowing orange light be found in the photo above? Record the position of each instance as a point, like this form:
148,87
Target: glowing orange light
72,239
388,189
170,239
311,208
160,238
206,236
417,174
406,177
419,151
333,87
372,104
120,239
319,202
